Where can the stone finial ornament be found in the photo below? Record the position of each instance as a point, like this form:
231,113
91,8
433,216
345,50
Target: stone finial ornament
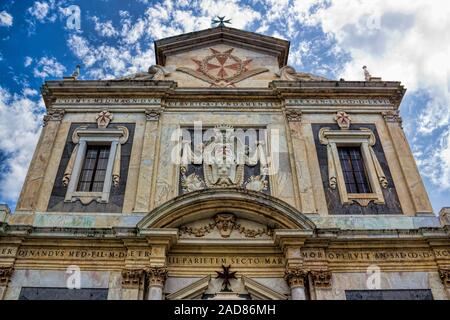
220,21
289,73
367,75
104,118
343,120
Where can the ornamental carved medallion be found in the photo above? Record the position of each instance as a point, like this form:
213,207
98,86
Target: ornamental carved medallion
222,69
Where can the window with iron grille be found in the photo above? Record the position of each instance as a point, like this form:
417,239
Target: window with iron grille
93,173
354,170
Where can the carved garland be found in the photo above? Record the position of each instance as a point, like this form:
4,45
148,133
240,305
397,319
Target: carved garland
225,223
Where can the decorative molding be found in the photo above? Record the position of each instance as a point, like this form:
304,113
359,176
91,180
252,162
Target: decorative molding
225,223
156,276
152,114
5,275
132,278
343,120
260,291
103,118
294,115
295,276
192,291
53,115
321,278
444,274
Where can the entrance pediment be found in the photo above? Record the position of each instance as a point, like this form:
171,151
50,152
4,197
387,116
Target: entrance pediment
252,213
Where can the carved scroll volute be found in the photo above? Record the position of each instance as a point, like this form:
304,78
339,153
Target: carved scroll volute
116,167
380,174
69,168
332,178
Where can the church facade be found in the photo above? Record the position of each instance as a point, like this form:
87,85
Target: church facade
223,173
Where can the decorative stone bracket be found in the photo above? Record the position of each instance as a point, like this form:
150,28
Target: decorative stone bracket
53,115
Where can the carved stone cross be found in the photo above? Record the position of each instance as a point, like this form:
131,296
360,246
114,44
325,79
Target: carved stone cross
226,275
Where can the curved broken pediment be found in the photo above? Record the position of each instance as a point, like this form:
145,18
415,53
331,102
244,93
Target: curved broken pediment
265,210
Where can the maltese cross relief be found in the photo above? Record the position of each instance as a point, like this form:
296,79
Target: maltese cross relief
222,69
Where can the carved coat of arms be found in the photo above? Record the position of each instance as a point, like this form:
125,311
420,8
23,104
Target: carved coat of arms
222,69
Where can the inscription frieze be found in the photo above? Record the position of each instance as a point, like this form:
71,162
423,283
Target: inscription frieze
368,255
223,104
247,261
81,254
364,102
109,101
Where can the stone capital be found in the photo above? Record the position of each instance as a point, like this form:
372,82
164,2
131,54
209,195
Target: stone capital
295,276
293,115
392,116
444,274
132,278
5,275
152,114
321,278
156,276
53,115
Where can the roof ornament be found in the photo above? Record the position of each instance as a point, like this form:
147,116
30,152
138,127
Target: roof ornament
220,21
75,74
368,76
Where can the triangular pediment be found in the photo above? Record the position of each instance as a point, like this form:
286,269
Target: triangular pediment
251,41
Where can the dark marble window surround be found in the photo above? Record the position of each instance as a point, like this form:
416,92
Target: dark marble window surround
117,194
334,204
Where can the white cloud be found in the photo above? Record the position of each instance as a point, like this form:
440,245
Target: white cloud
39,10
20,126
29,92
105,29
406,41
6,20
28,61
48,67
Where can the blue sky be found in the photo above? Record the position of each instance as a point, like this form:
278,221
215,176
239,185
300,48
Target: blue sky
398,40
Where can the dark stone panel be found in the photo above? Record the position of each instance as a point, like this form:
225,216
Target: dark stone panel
392,204
417,294
27,293
117,194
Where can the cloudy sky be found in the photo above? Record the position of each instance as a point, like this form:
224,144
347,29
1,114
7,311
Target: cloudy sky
400,40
